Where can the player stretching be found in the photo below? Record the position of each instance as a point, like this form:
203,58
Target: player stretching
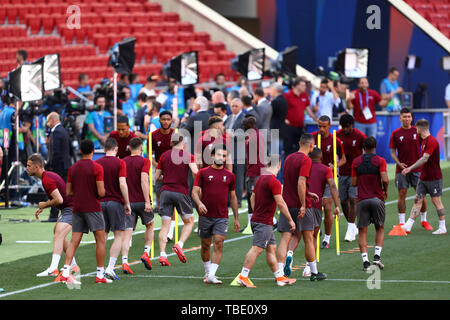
265,198
326,145
55,188
430,178
138,169
352,142
405,151
370,176
115,204
85,184
174,167
210,193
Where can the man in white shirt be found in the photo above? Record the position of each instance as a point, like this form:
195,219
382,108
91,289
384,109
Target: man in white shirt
324,101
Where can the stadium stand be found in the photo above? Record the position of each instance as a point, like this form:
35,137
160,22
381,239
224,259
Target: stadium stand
437,12
40,27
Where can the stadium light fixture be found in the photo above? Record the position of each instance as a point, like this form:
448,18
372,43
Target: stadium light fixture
352,62
52,71
184,68
412,62
26,83
250,64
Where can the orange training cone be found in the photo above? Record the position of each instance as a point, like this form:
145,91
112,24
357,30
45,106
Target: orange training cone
397,231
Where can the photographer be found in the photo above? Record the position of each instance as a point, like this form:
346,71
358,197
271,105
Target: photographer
95,122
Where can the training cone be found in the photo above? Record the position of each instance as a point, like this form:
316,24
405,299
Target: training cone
234,283
247,230
397,231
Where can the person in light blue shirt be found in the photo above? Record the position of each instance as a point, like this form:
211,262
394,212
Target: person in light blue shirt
96,122
389,86
83,83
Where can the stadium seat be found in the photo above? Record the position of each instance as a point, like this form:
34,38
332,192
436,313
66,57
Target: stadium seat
101,42
201,36
152,7
168,37
226,55
47,22
196,46
216,46
171,16
34,22
169,26
185,26
185,36
155,17
12,13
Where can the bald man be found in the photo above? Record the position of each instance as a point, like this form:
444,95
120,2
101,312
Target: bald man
59,160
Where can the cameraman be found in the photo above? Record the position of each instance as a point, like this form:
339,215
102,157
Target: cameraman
95,122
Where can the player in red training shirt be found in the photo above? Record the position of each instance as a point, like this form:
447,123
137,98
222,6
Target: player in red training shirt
265,198
430,178
210,193
321,177
115,204
352,142
370,176
123,135
326,145
174,166
85,184
55,188
138,169
405,151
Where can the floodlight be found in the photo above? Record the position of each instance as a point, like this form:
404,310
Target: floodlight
250,64
26,83
52,71
184,68
352,62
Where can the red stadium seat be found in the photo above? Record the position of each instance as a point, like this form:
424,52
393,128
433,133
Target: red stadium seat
101,42
171,16
134,7
125,18
196,46
169,26
34,22
152,7
43,8
154,27
168,37
201,36
154,37
12,13
155,17
185,36
140,17
185,26
47,22
226,55
216,46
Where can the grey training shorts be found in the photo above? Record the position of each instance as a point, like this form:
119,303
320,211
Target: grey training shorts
87,221
370,211
207,227
410,180
283,223
262,235
346,190
310,220
158,186
433,188
114,213
170,200
137,211
66,216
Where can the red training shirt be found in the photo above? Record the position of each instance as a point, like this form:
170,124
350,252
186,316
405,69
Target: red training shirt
135,166
353,147
113,168
215,185
255,152
431,170
296,165
52,181
326,145
83,176
318,181
124,148
161,142
266,188
175,169
369,184
407,144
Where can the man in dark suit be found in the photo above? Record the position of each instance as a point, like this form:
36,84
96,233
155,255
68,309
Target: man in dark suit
201,114
263,108
233,123
279,112
59,160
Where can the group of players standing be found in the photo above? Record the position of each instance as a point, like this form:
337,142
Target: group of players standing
111,193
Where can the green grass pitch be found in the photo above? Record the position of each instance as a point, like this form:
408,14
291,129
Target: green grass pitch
415,266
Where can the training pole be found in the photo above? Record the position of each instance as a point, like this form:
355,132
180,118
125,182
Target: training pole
319,138
175,212
338,251
150,152
115,99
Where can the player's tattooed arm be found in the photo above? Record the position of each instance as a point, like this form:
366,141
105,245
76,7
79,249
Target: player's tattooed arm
418,164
